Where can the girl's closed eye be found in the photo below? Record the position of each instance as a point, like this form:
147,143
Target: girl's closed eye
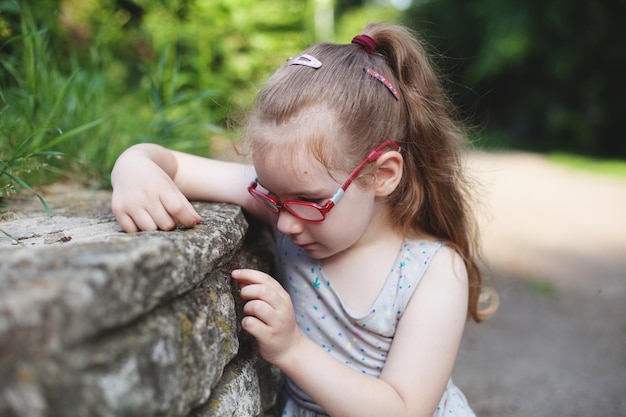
309,198
320,201
297,198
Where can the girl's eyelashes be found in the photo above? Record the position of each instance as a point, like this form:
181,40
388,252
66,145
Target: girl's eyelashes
319,201
308,199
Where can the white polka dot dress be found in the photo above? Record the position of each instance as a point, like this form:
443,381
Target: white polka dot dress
360,341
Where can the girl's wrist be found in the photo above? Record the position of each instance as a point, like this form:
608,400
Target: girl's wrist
291,357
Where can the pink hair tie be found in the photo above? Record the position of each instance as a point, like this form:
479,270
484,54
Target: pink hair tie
365,41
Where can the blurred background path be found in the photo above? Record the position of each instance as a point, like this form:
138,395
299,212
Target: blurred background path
555,240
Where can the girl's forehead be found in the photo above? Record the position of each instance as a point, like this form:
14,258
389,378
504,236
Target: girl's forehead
292,162
303,148
287,170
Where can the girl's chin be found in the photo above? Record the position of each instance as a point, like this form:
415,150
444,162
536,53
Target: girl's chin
313,250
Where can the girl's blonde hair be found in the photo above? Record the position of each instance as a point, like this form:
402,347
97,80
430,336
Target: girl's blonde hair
433,196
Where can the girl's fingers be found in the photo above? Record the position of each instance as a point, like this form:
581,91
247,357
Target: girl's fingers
256,285
161,214
259,309
127,222
180,210
270,296
252,276
161,217
144,220
263,321
253,325
269,315
265,298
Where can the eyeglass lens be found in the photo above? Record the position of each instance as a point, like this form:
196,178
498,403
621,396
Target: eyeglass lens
265,200
304,211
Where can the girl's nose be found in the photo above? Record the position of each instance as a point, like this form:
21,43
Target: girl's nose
289,224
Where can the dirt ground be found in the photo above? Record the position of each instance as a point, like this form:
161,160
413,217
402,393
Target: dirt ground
555,240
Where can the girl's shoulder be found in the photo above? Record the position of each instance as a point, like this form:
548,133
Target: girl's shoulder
423,243
412,264
429,246
419,251
423,258
446,269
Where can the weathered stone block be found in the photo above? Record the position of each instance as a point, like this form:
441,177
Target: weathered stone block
96,322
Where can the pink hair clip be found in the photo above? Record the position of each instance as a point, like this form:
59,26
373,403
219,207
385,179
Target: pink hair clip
306,60
383,80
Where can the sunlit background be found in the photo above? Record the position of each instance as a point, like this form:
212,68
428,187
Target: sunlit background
541,83
543,76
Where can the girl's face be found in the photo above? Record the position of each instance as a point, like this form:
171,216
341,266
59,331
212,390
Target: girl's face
301,176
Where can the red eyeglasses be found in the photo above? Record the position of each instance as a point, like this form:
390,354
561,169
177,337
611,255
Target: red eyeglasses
310,211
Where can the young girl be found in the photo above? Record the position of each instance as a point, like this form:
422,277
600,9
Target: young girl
356,166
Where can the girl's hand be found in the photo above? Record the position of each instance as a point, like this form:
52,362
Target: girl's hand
269,314
144,195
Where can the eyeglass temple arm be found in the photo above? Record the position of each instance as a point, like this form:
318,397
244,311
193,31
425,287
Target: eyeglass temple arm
371,157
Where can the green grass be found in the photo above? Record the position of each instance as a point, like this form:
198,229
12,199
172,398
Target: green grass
70,120
609,167
542,287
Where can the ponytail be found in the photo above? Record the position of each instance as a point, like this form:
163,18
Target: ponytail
435,194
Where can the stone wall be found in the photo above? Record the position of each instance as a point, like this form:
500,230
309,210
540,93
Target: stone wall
96,322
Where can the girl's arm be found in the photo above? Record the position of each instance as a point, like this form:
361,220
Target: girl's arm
152,185
418,366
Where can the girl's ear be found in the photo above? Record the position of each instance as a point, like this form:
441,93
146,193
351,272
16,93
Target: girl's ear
388,173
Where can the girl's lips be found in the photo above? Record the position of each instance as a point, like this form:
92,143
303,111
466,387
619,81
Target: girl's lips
305,245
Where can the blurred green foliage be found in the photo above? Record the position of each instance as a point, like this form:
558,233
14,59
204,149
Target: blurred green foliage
540,74
81,80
